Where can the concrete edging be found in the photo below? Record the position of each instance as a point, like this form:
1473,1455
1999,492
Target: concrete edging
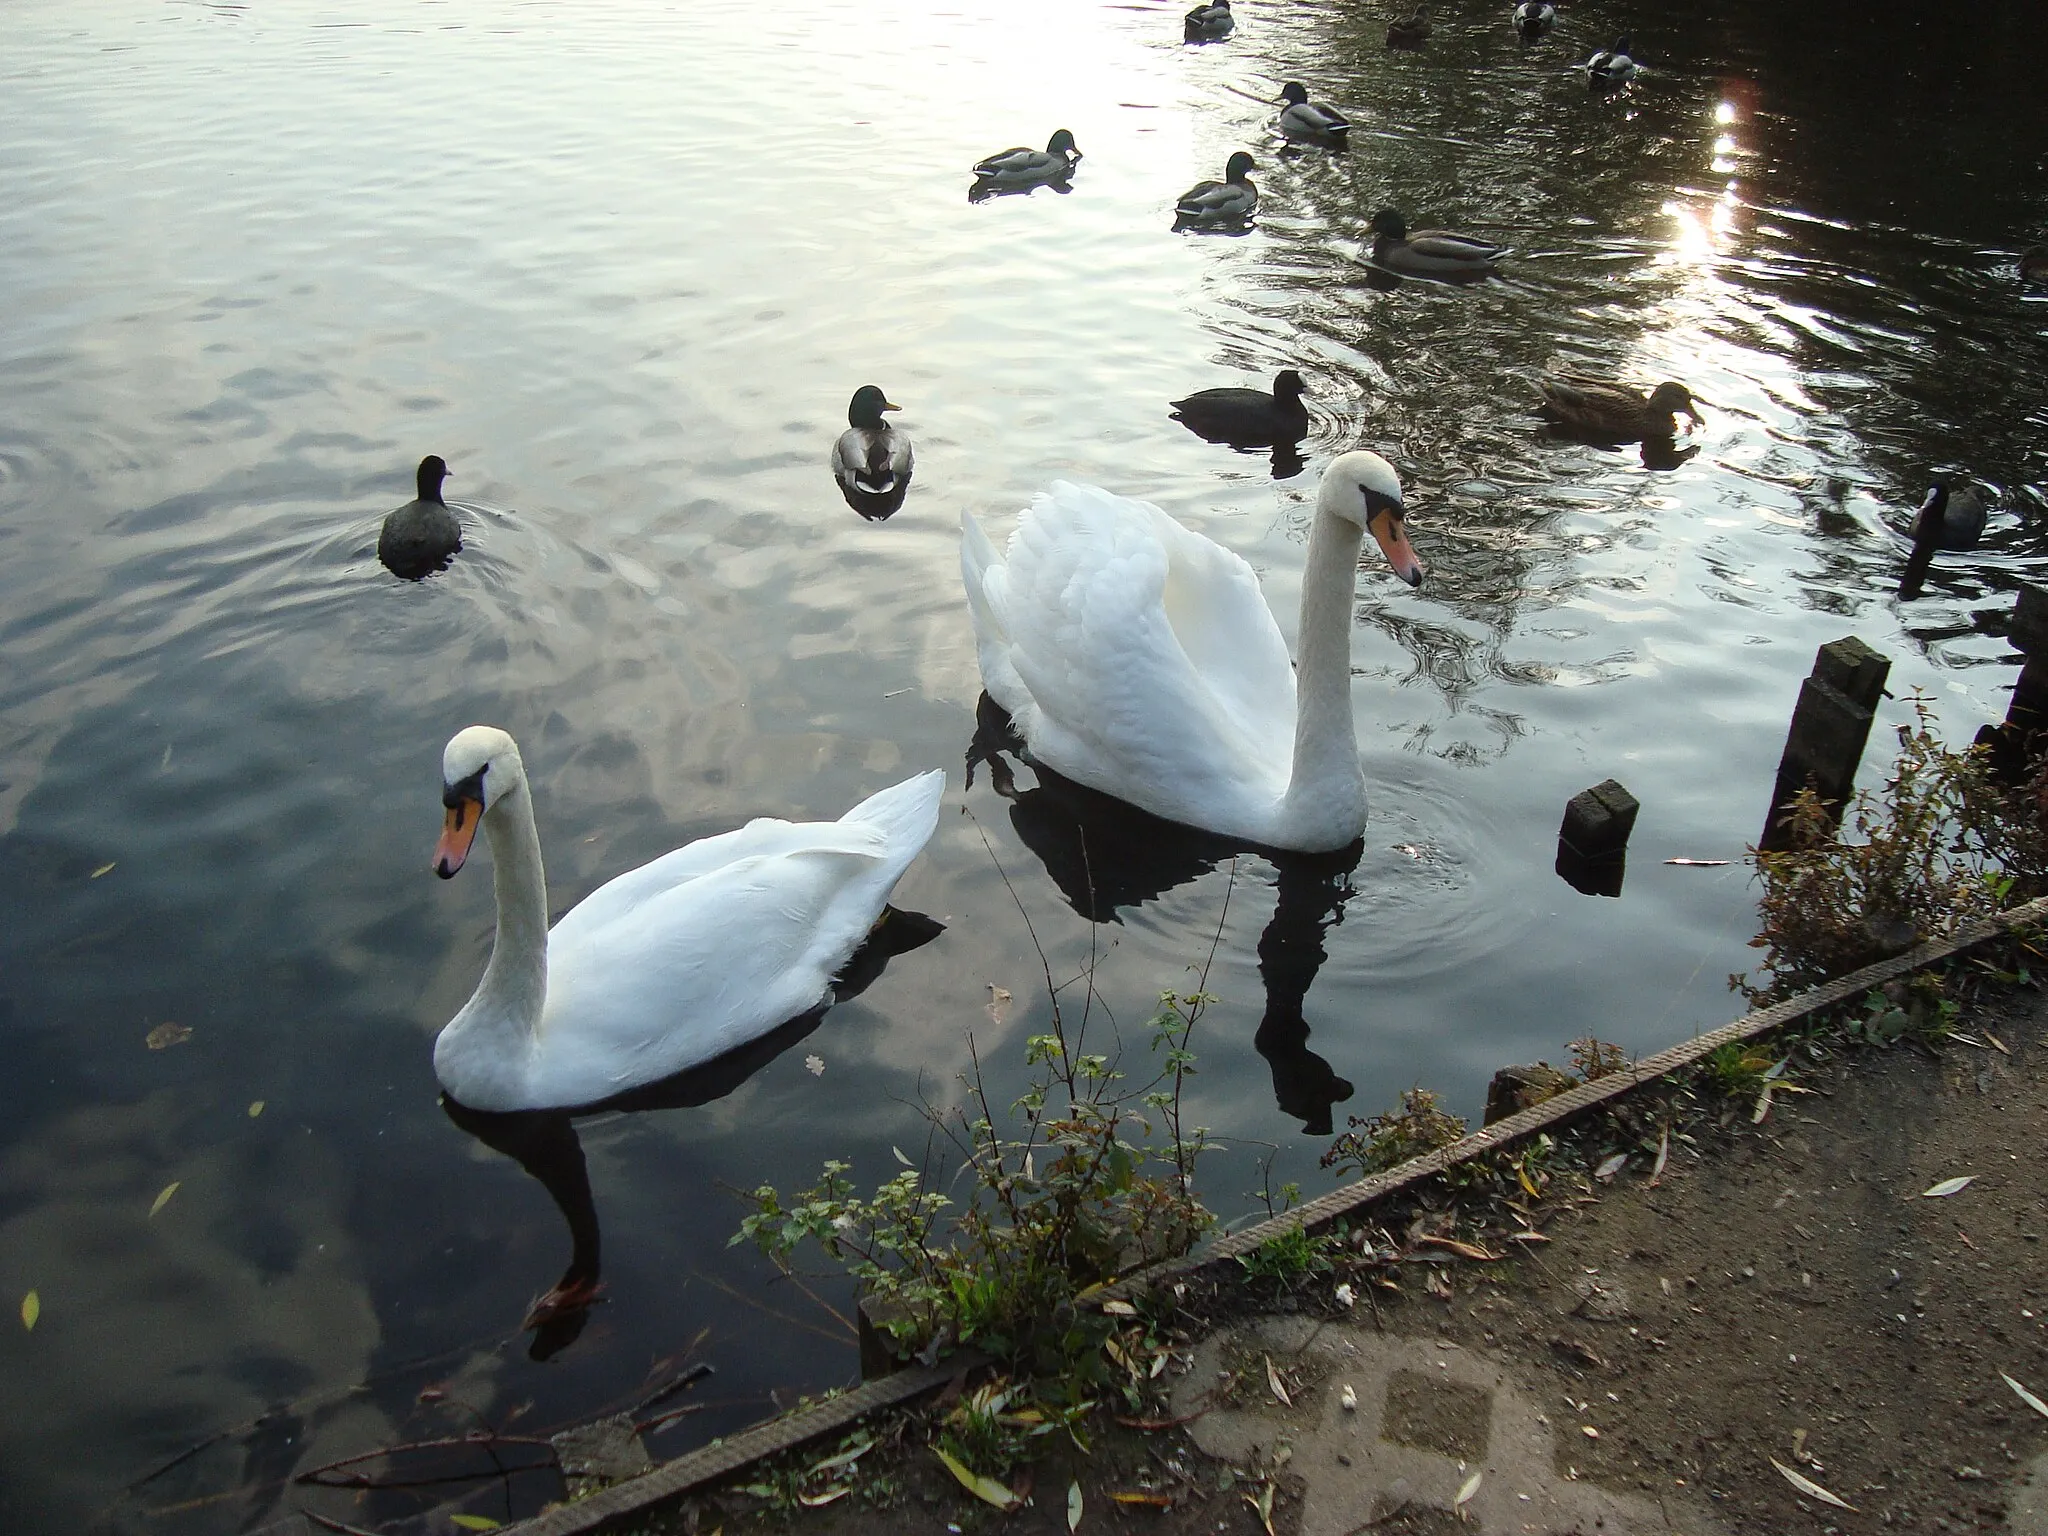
727,1456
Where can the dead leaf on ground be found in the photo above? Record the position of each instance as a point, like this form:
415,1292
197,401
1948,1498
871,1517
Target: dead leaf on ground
1073,1506
1279,1387
998,1007
1663,1156
1465,1493
1462,1250
825,1496
1809,1487
1609,1167
166,1034
2026,1397
1148,1500
987,1489
104,869
1262,1505
815,1065
1948,1187
164,1198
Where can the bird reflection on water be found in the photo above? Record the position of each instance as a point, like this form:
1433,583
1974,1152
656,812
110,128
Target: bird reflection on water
546,1144
1105,855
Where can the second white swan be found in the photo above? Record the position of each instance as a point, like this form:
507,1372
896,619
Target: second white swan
668,965
1139,658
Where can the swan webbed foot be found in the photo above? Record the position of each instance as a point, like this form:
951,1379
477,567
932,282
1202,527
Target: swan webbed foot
570,1294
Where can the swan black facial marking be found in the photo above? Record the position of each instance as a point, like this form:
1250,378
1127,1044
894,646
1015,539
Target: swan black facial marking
471,788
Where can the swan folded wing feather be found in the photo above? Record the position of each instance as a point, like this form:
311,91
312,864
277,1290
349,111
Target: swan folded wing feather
1103,598
704,965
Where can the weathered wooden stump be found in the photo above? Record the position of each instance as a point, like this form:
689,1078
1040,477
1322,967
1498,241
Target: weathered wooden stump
1830,727
1592,845
1515,1089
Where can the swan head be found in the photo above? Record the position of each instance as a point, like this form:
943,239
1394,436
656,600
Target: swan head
479,767
1362,488
867,406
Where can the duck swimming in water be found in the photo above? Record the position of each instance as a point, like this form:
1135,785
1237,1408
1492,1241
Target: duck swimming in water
1311,121
1606,412
422,536
1209,23
1948,520
1024,167
1442,254
1224,204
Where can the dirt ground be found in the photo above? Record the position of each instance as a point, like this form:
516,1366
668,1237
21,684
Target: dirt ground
1786,1291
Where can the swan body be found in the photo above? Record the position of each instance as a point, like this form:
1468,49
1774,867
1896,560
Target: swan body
1438,253
667,966
1024,167
1533,18
422,536
1613,413
871,458
1612,67
1411,31
1139,658
1248,418
1301,118
1220,204
1209,23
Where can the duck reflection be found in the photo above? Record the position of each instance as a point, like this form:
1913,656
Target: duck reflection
1106,855
545,1142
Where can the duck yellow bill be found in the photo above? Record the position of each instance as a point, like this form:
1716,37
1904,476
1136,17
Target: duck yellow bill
457,833
1392,535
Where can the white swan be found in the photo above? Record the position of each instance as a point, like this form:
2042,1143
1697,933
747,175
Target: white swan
1140,659
668,965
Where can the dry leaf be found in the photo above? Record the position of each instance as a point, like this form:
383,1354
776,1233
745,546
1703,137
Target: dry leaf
1997,1042
901,1157
1947,1187
1117,1308
1465,1493
998,1006
104,869
1073,1507
166,1034
1348,1399
1273,1381
32,1308
255,1109
1263,1506
1462,1250
987,1489
1527,1237
844,1458
1149,1500
2026,1397
1609,1167
815,1065
164,1198
829,1495
1809,1487
1663,1156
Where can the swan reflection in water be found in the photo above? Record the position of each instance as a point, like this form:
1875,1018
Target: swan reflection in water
1105,855
545,1143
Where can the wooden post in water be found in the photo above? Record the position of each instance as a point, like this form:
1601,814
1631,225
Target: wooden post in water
1830,727
2016,744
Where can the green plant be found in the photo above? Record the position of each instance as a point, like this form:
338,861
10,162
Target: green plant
1739,1069
1085,1189
1593,1059
1942,842
1914,1007
1417,1125
1289,1256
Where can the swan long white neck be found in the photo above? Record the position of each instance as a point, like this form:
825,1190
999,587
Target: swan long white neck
1325,804
494,1033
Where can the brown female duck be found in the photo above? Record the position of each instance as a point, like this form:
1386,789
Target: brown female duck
1613,413
1409,31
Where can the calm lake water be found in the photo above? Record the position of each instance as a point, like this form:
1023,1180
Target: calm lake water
622,266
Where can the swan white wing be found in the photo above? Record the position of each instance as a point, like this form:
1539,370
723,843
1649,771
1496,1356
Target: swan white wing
1140,658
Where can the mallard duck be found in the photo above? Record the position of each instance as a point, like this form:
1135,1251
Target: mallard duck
667,966
1947,520
1438,253
1209,23
1220,204
1533,18
1311,120
1410,31
1139,658
1025,167
871,457
1613,413
2034,264
422,536
1612,67
1248,418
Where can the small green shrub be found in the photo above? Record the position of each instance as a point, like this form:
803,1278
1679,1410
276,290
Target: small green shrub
1291,1255
1379,1142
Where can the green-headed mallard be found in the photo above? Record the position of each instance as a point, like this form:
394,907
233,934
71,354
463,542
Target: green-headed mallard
1023,167
1612,67
1439,253
1613,413
422,536
1220,204
1209,23
1312,121
1409,31
871,457
1533,18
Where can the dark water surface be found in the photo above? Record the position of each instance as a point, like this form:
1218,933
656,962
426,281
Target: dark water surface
622,267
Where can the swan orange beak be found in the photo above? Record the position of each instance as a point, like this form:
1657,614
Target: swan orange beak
1392,535
457,833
